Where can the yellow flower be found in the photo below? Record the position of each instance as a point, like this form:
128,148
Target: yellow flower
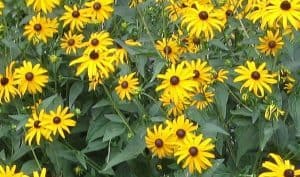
43,173
36,128
191,44
121,54
202,97
94,82
40,29
195,151
1,7
160,141
6,171
99,10
43,5
256,78
220,76
75,17
31,78
133,43
279,168
256,9
271,43
71,42
273,110
134,3
128,85
173,107
8,84
201,70
59,121
169,49
99,41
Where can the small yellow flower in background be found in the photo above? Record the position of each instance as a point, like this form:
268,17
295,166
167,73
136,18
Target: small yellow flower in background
279,167
40,29
99,41
257,79
201,69
128,85
53,58
71,42
159,141
174,108
121,54
8,84
42,174
134,3
271,43
43,5
59,121
31,78
191,44
75,17
195,152
35,106
133,43
6,171
1,7
169,49
273,111
99,10
220,76
94,82
36,128
202,97
287,80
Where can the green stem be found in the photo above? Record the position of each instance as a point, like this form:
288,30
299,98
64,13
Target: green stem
35,158
237,99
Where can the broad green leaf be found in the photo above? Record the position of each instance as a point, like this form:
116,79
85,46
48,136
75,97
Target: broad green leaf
112,130
81,158
221,97
218,43
101,103
294,111
29,166
75,90
94,146
47,102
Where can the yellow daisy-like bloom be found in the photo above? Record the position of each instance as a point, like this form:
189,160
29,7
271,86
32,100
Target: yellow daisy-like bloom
99,10
220,76
176,9
271,43
31,78
37,128
288,87
226,11
75,17
6,171
43,5
128,85
202,97
94,82
121,54
134,3
71,42
195,152
279,168
202,20
273,111
257,10
99,41
174,108
257,79
43,173
40,28
191,44
1,7
59,121
202,71
95,62
180,127
160,141
284,12
8,84
169,49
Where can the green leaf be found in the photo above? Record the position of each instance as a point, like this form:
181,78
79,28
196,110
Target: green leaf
266,132
47,102
294,111
75,91
97,129
112,130
221,97
94,146
29,166
20,152
218,43
101,103
211,129
81,158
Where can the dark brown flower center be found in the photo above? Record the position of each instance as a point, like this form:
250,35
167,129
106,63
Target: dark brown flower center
95,42
229,12
255,75
71,42
203,15
272,44
37,27
193,151
180,133
167,50
159,143
56,120
196,74
285,5
97,6
174,80
4,81
196,41
36,124
29,76
194,6
75,14
124,84
288,173
94,55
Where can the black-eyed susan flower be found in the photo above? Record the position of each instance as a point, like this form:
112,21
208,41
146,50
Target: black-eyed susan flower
74,17
31,78
42,174
279,167
71,42
40,29
271,43
202,97
160,141
175,9
191,44
36,128
201,70
99,10
202,21
220,76
8,84
169,49
1,7
273,111
43,5
134,3
196,153
99,41
255,10
128,85
174,108
7,171
59,121
94,82
95,63
178,82
257,79
181,126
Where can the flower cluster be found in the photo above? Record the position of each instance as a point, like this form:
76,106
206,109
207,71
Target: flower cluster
7,171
